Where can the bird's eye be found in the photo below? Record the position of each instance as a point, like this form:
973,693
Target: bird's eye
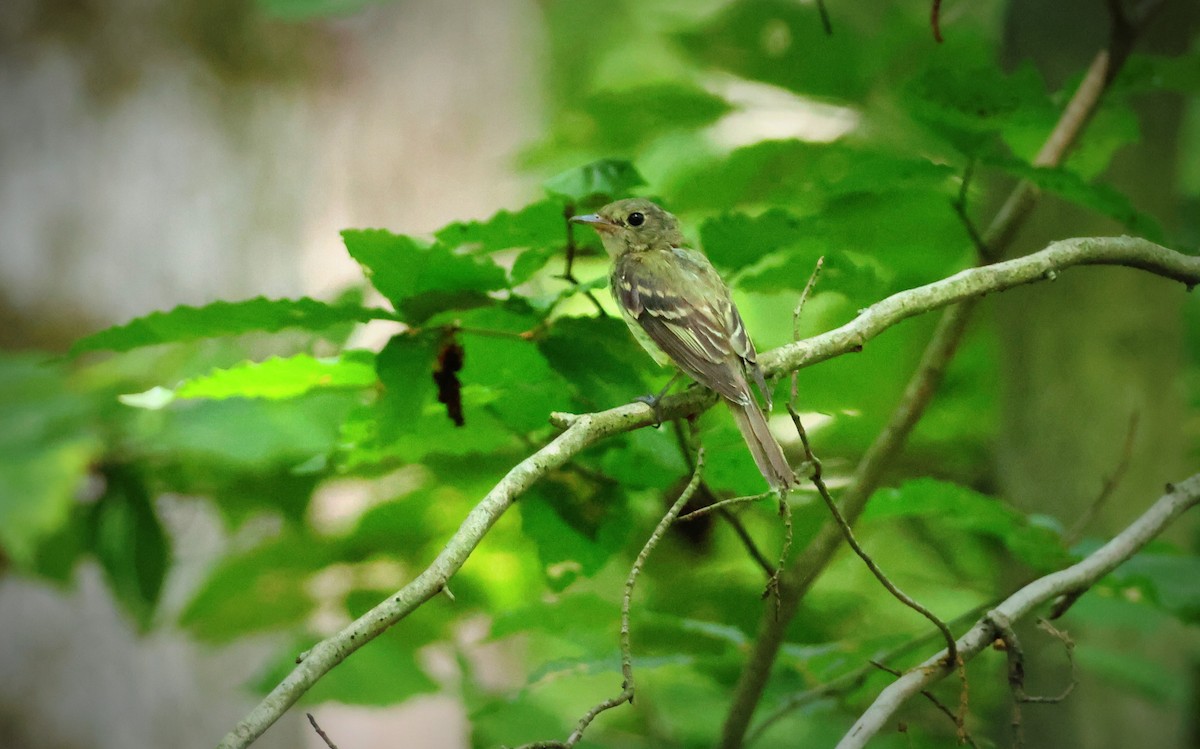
636,219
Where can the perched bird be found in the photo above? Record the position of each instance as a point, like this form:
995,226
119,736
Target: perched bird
680,310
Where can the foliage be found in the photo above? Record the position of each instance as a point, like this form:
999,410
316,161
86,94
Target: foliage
187,406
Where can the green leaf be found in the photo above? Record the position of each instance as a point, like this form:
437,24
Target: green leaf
969,105
277,378
623,120
804,176
245,433
645,459
1033,540
1143,73
599,357
259,590
537,225
1169,579
421,281
1099,197
46,446
130,543
606,179
405,368
1135,673
734,240
186,323
784,44
574,537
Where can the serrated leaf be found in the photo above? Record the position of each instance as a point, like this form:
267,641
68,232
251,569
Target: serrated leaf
573,539
1104,199
1031,541
734,240
599,357
421,281
277,378
969,105
622,120
185,323
606,179
130,543
46,446
405,368
784,44
538,225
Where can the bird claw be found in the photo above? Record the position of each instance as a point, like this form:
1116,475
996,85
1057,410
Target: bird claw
655,403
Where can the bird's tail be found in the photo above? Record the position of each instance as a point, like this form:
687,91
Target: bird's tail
768,455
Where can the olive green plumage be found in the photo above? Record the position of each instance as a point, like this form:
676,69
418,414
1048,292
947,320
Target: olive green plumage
680,310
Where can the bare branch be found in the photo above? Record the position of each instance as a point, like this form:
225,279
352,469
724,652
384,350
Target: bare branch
627,687
324,736
933,698
899,595
724,504
583,430
1077,577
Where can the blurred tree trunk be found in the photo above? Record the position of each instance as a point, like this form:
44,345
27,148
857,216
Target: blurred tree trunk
163,152
1081,357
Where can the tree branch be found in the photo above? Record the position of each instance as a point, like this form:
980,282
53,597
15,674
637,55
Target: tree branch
1068,582
917,395
583,430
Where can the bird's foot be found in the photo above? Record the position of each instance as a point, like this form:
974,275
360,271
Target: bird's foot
655,403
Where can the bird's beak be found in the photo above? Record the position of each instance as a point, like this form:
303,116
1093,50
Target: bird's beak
594,220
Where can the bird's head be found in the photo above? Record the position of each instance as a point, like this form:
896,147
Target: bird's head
633,225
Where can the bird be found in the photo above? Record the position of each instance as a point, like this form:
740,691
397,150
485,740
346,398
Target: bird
680,310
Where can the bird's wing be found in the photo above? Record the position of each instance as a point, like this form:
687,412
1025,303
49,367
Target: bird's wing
684,307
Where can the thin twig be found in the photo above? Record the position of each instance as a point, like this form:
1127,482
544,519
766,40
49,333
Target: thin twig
964,737
324,736
747,540
725,504
739,528
899,595
568,273
584,430
1109,486
853,679
825,22
1016,669
627,684
917,395
935,20
960,208
1079,576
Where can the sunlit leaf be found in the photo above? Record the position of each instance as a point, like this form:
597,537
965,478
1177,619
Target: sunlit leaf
186,323
537,225
607,179
274,379
421,280
46,445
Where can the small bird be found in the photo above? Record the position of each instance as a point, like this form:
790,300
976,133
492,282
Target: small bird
680,310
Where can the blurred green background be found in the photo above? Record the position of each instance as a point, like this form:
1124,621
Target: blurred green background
190,498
